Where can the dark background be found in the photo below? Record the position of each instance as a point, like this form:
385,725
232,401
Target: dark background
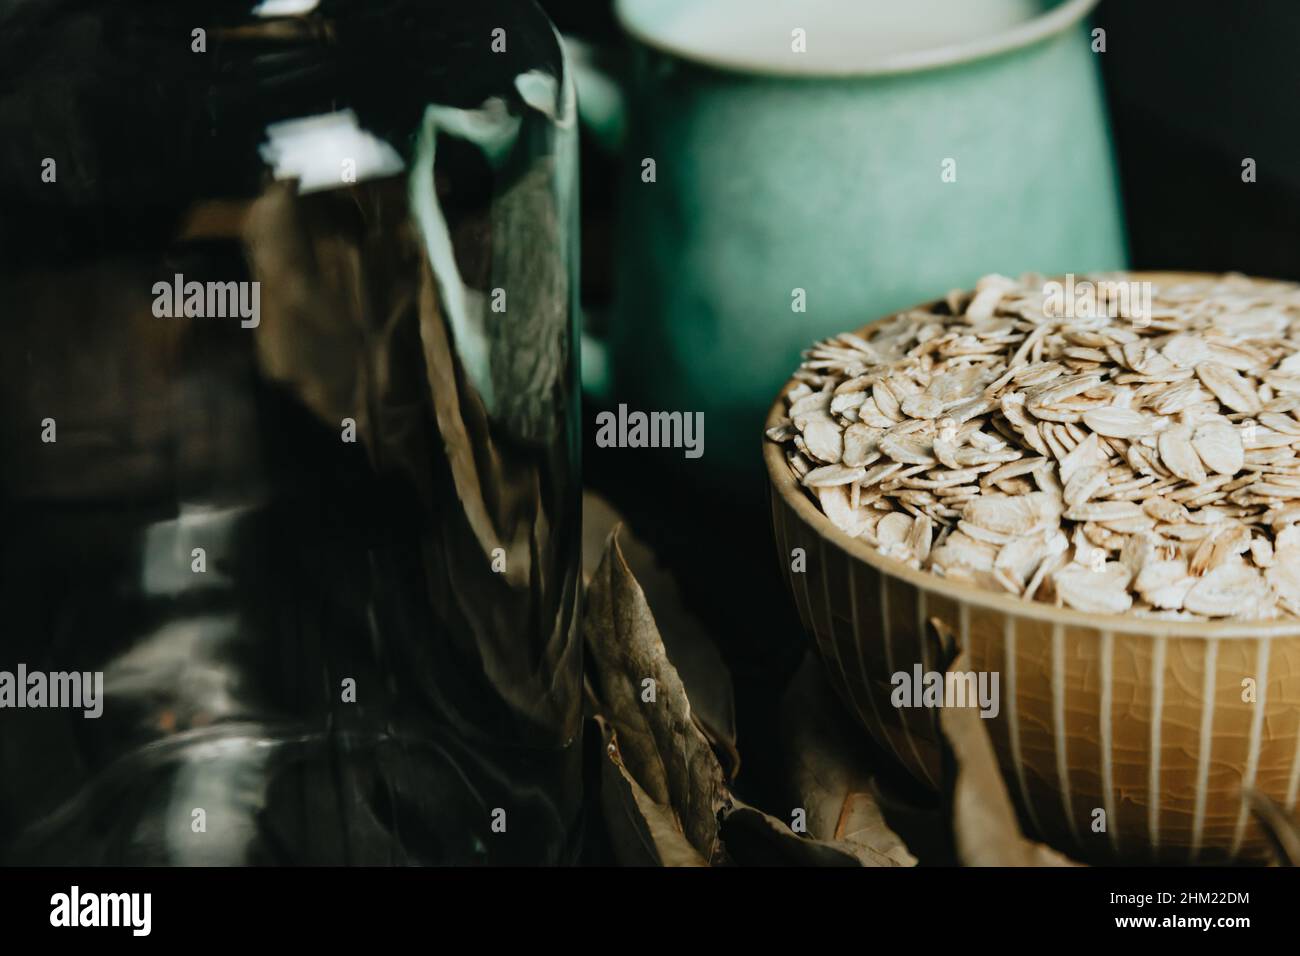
1193,87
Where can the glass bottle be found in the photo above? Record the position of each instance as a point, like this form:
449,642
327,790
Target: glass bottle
289,433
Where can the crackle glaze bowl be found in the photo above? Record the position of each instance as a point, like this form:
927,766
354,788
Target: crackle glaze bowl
1143,718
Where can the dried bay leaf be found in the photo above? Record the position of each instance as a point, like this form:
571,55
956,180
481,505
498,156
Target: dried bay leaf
690,646
658,741
985,829
643,833
829,776
755,838
1283,830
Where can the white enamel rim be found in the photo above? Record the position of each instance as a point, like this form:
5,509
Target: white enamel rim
632,16
783,484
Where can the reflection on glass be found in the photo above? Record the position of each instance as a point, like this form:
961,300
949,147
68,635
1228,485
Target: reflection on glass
325,558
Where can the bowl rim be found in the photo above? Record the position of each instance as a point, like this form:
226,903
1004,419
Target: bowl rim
1055,17
792,494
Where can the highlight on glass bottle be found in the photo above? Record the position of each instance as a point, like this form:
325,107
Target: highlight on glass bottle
289,473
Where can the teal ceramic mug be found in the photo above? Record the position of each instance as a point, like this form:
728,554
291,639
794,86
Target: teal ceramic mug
791,170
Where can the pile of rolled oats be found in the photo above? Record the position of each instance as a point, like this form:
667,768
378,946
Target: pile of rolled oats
1130,454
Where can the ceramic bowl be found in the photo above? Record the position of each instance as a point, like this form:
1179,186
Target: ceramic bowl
1148,721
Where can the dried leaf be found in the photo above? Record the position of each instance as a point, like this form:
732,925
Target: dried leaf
829,778
984,824
1283,830
755,838
642,832
689,645
659,743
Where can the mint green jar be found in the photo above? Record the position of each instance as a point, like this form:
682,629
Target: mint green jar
797,193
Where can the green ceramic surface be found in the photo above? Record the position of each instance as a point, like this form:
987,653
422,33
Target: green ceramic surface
767,183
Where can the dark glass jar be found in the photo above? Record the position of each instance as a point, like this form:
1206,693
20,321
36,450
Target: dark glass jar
289,433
